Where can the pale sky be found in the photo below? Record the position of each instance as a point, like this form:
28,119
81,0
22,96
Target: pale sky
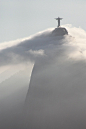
22,18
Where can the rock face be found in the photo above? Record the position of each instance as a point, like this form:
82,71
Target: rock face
55,99
60,31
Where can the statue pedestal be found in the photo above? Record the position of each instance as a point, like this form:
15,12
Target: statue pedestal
60,31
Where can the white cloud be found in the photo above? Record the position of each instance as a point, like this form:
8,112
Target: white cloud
57,87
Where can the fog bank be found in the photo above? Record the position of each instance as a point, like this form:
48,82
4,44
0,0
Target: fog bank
55,97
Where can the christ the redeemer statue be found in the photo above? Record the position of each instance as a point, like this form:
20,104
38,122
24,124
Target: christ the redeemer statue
58,20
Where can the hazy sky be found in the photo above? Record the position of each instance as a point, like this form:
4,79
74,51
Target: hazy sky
21,18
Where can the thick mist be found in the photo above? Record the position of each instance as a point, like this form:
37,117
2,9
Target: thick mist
55,67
